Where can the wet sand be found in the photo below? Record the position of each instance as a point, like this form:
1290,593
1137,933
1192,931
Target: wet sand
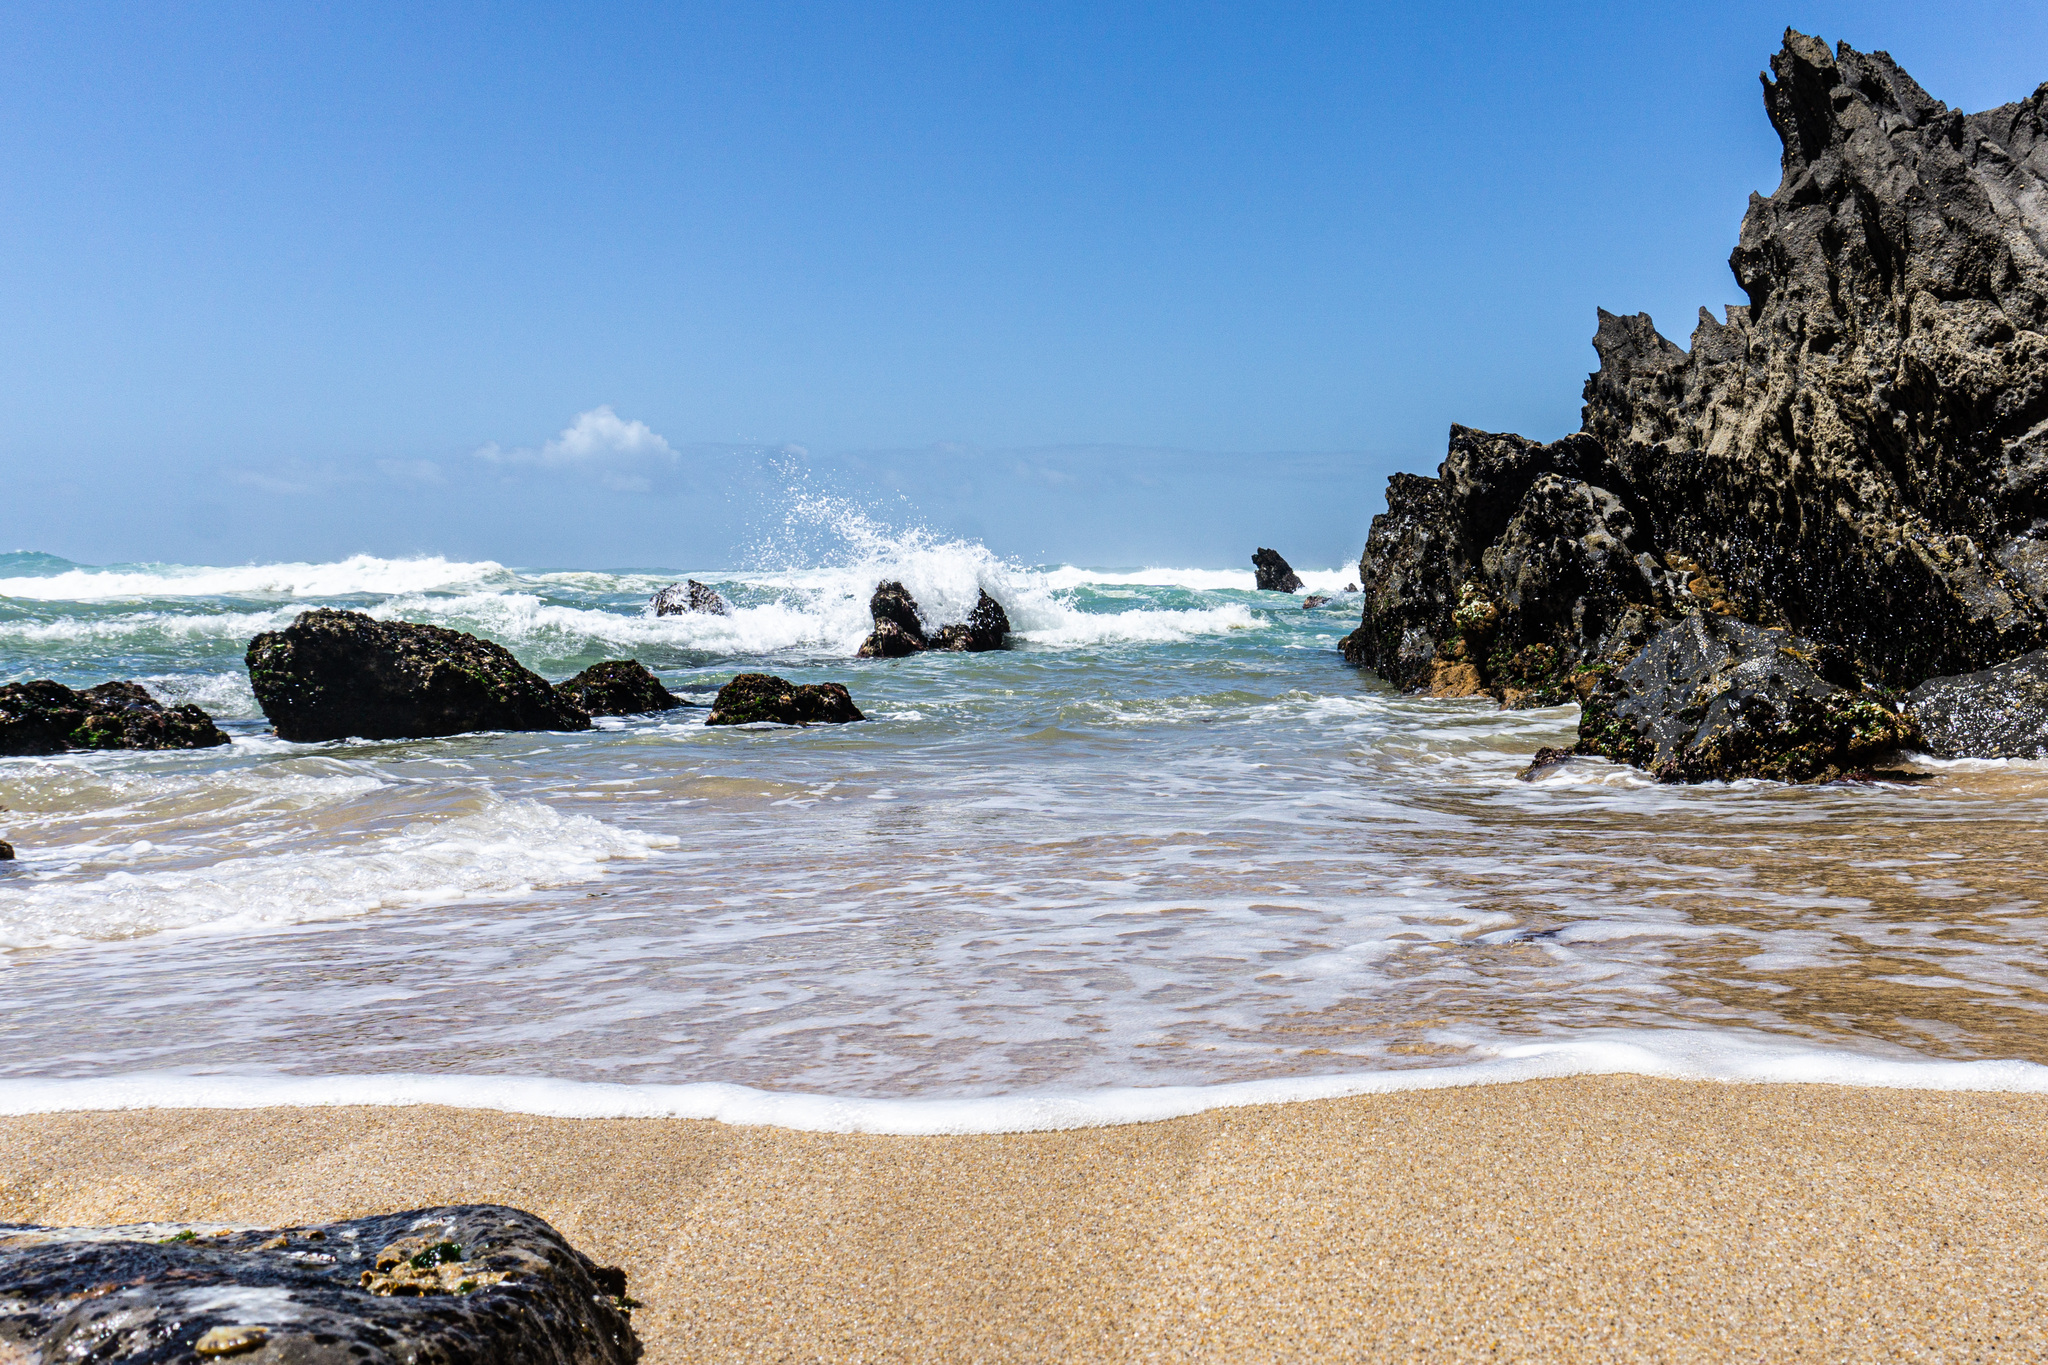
1599,1218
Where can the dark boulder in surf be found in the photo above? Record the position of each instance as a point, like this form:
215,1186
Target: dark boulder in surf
753,698
899,626
1713,699
469,1284
986,628
1309,603
899,630
1858,454
617,687
341,675
6,851
681,599
45,717
1271,573
1998,712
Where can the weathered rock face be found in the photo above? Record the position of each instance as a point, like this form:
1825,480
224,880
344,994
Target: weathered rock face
678,599
48,718
1859,453
1271,573
471,1284
1862,451
1999,712
986,628
1709,698
341,674
755,697
617,687
899,626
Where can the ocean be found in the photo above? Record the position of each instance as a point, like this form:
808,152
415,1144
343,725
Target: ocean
1165,852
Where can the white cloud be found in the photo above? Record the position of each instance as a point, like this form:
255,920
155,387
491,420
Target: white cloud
617,452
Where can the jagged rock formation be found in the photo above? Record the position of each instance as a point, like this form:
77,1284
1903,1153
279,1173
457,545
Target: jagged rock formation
46,717
341,675
755,697
1999,712
1858,454
899,626
680,599
470,1284
617,687
1714,699
1271,573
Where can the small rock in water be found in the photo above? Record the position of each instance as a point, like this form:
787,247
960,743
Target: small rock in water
985,628
1351,588
1545,760
470,1284
754,697
680,599
618,687
1714,699
1309,602
1272,573
341,674
1997,712
45,717
6,851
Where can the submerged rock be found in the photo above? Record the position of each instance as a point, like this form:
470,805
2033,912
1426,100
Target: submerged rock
1858,454
679,599
985,628
470,1284
1271,573
1712,699
1310,602
341,674
617,687
899,626
755,697
45,717
1999,712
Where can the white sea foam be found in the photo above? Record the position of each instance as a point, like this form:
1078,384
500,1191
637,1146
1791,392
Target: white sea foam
357,575
506,849
1194,580
1694,1055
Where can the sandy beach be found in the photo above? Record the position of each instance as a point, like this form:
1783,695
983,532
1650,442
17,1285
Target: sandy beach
1598,1218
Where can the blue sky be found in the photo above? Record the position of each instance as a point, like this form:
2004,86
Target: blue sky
589,284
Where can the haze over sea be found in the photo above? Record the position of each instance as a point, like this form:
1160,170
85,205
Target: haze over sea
1166,840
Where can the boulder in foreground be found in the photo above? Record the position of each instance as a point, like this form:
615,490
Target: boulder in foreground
681,599
470,1284
1271,573
1713,699
1998,712
617,687
755,697
341,674
48,718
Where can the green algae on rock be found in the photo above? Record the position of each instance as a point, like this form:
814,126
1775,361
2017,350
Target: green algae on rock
754,698
1712,699
342,674
618,687
45,717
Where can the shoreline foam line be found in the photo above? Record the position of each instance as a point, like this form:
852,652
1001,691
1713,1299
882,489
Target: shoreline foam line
1683,1055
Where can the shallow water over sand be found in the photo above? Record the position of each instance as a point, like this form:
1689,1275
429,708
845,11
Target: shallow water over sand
1167,839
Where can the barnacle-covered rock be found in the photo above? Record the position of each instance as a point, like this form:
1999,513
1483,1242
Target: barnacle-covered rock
617,687
45,717
471,1284
342,674
752,698
1998,712
682,599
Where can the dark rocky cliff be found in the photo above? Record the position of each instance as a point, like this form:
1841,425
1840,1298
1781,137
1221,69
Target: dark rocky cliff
1859,454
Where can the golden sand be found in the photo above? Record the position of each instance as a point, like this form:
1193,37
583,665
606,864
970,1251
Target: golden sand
1589,1219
